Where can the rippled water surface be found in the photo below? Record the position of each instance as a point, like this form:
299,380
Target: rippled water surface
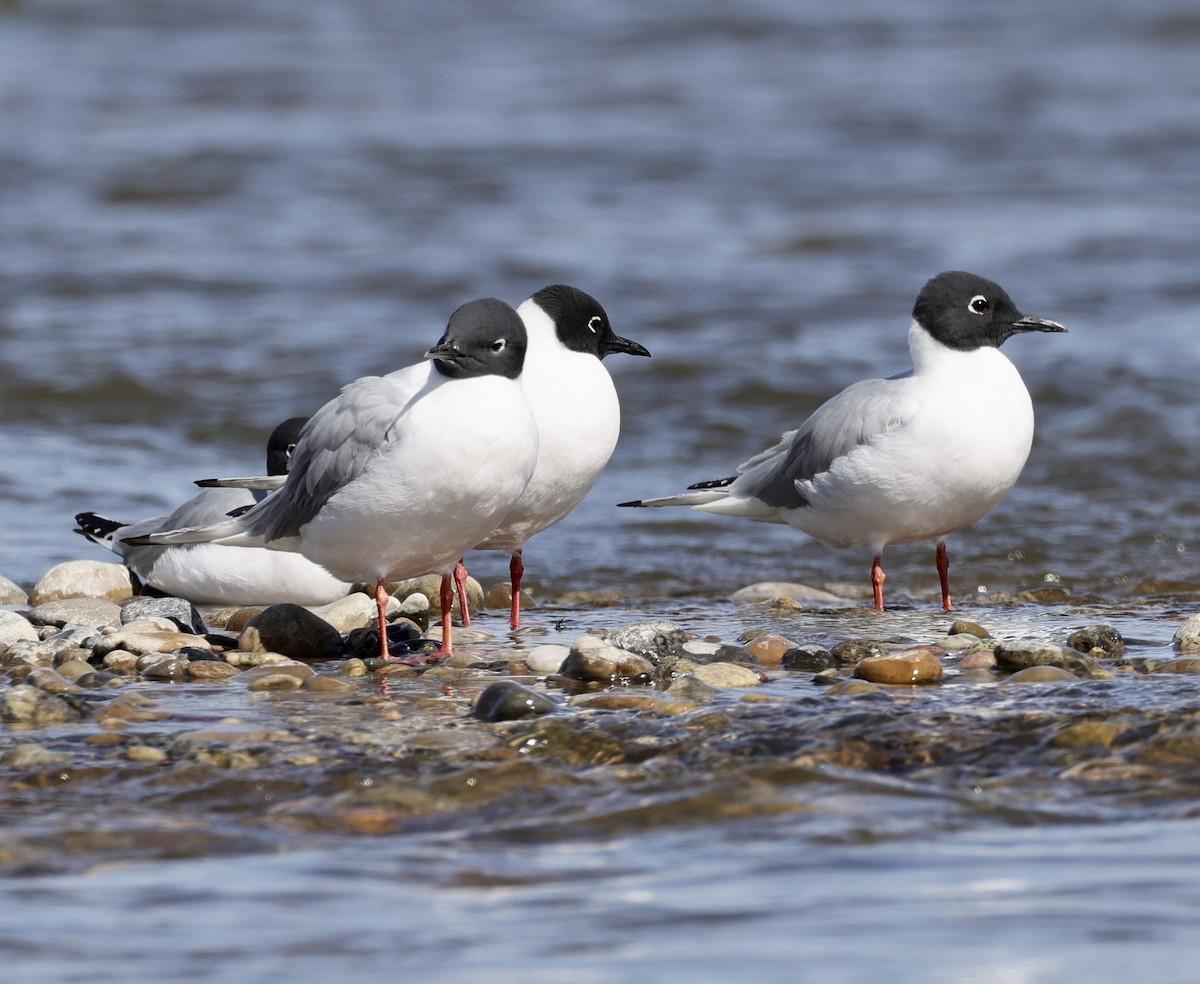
214,214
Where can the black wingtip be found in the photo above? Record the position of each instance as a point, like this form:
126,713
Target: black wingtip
208,483
632,502
715,483
92,524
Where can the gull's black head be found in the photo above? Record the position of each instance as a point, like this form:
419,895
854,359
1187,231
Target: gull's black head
966,312
483,338
282,443
581,324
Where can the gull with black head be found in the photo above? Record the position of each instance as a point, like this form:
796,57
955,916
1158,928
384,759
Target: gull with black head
910,458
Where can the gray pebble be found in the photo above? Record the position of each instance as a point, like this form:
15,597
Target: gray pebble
507,700
1187,636
182,613
592,658
15,627
653,640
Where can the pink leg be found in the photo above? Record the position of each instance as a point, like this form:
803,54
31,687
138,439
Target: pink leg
460,584
877,579
943,569
515,570
381,600
447,615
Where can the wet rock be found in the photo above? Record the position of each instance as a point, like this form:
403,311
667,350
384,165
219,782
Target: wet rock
403,636
120,661
31,756
827,676
687,687
499,598
964,626
808,658
147,754
29,706
73,669
233,620
1186,665
83,579
1187,636
853,688
1017,656
852,651
1042,674
210,670
718,652
802,594
1098,641
726,676
1086,734
547,659
354,611
146,643
592,658
52,681
95,613
327,684
26,653
292,631
11,593
507,700
246,661
917,665
180,612
289,675
16,628
652,640
170,668
610,700
770,648
980,659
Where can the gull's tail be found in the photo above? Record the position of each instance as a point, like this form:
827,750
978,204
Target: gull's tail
99,529
228,532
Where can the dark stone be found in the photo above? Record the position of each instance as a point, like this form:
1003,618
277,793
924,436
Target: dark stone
811,658
853,651
1018,656
1098,641
403,638
180,611
507,700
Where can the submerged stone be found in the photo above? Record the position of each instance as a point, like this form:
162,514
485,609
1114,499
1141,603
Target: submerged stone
507,700
592,658
1098,641
1018,656
917,665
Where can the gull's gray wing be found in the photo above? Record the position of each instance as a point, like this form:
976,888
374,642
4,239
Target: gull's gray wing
336,446
858,415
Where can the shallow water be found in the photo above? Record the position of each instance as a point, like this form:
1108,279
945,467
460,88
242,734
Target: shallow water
213,215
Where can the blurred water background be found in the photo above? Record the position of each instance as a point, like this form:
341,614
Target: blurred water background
212,215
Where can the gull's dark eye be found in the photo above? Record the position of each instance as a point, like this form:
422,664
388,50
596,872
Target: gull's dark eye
499,345
980,304
594,324
290,449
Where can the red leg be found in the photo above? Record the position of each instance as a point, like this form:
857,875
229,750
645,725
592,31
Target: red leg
943,569
381,600
460,584
877,579
515,570
447,614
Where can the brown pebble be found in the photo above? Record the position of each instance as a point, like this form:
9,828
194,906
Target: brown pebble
1042,674
978,659
770,647
327,684
211,669
917,665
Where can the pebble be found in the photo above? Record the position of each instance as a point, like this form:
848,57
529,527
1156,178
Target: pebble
73,669
245,661
980,659
327,684
689,688
1187,636
170,668
652,640
852,651
917,665
292,631
149,641
289,675
182,614
592,658
210,670
120,661
726,675
853,688
11,593
770,648
27,705
809,658
83,579
1186,665
430,588
1042,674
1017,656
52,681
15,627
615,700
964,626
547,659
506,700
94,613
499,597
354,611
802,594
1098,641
147,754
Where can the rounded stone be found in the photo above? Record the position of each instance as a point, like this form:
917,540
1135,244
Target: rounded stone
979,659
726,676
27,705
210,670
652,640
327,684
1042,674
83,579
809,658
964,626
852,688
91,612
546,659
354,611
1098,640
1017,656
15,627
802,594
120,661
182,614
276,681
499,597
430,585
1187,636
52,681
170,668
147,754
592,658
770,648
920,664
295,671
149,642
11,593
292,631
507,700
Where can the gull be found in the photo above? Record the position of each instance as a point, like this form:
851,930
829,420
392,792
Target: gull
911,458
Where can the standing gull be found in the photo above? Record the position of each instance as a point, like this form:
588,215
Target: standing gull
208,573
911,458
401,474
578,416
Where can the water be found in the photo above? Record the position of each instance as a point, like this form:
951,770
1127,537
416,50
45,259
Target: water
213,215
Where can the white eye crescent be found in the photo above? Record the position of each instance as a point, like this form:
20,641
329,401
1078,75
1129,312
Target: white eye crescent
979,305
594,324
498,345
